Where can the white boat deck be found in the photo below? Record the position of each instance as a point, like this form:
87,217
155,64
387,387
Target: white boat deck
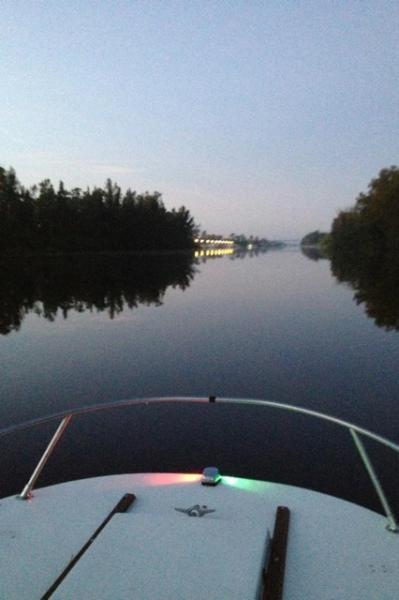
336,550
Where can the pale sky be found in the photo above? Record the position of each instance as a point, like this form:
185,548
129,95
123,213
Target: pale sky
262,117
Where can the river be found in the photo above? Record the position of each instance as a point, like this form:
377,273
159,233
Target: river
275,325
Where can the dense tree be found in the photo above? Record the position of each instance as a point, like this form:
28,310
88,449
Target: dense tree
314,238
364,248
371,227
43,219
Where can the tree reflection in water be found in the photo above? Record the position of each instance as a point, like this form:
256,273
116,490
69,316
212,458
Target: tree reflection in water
50,285
313,252
375,279
376,285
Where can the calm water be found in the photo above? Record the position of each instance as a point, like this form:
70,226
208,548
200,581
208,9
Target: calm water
276,326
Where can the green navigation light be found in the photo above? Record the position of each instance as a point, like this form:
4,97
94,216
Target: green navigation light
248,485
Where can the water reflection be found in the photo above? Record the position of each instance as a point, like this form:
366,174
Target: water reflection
213,253
375,280
48,286
376,285
232,253
313,252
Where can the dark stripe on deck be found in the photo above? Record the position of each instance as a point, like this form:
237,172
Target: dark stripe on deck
124,503
273,581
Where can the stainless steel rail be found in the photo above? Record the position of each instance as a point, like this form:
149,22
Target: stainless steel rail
392,524
27,491
354,430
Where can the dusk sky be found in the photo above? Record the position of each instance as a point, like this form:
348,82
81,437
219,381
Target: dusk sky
262,117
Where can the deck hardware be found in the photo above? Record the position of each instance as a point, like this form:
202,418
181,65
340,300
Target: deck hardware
196,511
124,503
211,476
273,574
392,525
27,491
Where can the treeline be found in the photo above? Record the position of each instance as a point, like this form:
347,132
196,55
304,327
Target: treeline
42,219
314,238
243,241
371,227
364,248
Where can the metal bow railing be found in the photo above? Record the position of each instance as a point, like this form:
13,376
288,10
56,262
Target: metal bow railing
355,432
